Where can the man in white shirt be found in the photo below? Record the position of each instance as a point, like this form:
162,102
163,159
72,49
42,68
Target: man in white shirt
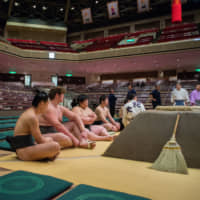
179,96
131,109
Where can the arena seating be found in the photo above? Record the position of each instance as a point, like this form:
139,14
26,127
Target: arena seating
56,46
179,32
94,91
171,33
26,44
43,45
13,96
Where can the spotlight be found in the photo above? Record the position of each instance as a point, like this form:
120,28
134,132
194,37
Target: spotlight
96,2
61,9
72,8
34,6
44,8
16,3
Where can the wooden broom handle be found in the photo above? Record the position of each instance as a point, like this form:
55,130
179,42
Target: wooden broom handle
176,125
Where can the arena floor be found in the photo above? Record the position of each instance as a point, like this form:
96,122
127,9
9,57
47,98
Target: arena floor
82,166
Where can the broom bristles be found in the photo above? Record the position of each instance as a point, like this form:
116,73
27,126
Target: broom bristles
171,159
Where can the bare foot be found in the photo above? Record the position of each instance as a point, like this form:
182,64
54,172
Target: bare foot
88,144
108,138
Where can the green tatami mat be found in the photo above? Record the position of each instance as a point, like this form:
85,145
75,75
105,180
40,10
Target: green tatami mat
9,117
21,185
86,192
4,145
9,125
8,121
65,119
6,133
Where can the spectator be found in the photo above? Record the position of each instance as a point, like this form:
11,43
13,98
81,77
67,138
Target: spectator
112,102
155,96
130,90
195,96
179,96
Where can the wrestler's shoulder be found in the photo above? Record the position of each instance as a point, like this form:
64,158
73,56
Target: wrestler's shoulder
29,117
97,108
75,108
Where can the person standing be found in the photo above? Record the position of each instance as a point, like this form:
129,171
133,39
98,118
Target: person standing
155,96
112,102
179,96
131,89
195,96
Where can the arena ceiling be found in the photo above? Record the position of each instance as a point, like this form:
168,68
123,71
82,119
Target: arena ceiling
68,12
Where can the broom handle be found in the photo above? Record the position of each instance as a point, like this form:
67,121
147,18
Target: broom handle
176,125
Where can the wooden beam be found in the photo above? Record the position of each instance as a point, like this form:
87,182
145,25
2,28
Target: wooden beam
67,8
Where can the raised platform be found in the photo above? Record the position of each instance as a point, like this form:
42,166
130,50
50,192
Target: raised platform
144,137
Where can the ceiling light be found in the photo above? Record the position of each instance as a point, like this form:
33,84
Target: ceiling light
5,1
96,2
61,9
72,8
44,8
16,3
34,6
52,55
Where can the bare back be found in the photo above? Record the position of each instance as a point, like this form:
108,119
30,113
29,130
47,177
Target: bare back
24,123
101,112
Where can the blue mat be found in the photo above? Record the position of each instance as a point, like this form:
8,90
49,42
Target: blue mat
21,185
86,192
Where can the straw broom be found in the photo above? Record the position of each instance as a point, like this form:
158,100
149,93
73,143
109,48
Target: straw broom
171,158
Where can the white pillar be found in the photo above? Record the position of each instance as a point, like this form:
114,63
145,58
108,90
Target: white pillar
82,37
132,28
106,33
162,23
197,17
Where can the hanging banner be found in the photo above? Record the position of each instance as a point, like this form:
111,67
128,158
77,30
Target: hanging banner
176,11
143,5
86,15
113,9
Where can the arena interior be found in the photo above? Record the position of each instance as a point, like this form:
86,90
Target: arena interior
106,80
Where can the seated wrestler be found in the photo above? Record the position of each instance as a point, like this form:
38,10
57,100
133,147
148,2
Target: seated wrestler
96,132
51,121
27,128
103,114
131,109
